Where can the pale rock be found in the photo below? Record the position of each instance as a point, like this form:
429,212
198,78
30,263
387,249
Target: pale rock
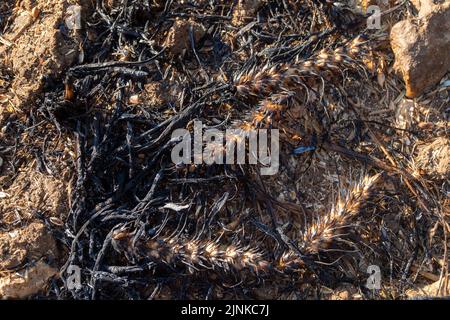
422,48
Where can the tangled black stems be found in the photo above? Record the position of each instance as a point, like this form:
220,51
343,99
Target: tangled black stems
291,76
201,254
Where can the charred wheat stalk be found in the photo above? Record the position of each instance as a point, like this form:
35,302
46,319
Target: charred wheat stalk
292,76
200,254
321,232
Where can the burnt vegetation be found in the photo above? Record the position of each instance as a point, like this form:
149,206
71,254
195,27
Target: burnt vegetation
141,227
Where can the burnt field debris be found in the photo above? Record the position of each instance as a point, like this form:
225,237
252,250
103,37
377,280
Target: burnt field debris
86,122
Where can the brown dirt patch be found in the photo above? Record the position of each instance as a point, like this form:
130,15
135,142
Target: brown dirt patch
32,192
178,37
20,285
36,46
27,254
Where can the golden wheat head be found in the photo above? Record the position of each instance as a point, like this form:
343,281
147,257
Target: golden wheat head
201,254
291,76
323,229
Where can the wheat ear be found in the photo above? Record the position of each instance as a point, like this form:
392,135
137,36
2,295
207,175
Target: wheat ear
200,254
323,229
290,76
